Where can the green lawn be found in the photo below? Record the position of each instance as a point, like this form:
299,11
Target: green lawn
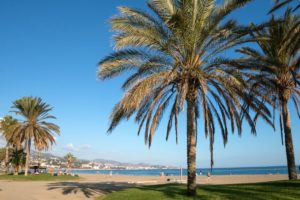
272,190
41,177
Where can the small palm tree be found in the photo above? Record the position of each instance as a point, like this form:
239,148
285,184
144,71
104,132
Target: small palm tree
70,158
33,127
6,127
173,56
18,159
274,71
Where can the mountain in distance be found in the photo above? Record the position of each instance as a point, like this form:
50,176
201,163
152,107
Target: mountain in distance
126,164
49,156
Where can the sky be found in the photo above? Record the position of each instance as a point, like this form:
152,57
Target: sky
51,48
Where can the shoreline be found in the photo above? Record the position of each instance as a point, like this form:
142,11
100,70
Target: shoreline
141,180
278,170
184,168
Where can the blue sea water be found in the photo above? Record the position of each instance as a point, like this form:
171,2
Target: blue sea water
176,172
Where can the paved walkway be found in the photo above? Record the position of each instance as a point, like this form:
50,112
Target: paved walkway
38,190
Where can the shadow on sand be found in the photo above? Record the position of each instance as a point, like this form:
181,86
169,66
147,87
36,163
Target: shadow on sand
89,189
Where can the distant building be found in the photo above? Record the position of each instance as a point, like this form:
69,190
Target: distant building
86,166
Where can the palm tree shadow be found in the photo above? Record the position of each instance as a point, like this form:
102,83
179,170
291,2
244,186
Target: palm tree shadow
259,191
169,190
89,189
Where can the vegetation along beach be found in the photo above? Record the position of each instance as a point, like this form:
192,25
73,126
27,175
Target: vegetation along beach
150,99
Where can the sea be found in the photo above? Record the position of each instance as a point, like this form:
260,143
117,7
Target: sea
177,172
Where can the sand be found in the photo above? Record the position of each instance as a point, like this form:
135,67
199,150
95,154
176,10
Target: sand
222,179
91,186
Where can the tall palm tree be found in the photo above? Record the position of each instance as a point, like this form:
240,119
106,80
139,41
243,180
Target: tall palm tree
173,58
6,127
275,72
34,126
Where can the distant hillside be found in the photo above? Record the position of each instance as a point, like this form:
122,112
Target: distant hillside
111,162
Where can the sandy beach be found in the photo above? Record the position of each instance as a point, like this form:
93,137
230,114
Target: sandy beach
93,185
218,179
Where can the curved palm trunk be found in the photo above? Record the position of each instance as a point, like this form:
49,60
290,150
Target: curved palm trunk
28,143
289,142
191,147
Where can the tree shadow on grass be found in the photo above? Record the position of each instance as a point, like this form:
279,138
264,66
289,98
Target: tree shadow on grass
261,191
234,193
89,189
169,190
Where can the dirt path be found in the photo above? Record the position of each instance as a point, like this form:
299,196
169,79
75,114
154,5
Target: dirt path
12,190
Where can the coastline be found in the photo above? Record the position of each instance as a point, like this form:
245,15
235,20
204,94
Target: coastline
275,170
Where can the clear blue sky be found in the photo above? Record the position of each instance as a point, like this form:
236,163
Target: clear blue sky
51,48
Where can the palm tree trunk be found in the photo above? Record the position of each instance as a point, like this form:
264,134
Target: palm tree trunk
39,159
191,147
16,170
27,156
6,159
68,166
289,142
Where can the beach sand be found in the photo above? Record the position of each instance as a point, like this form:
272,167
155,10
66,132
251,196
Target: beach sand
93,185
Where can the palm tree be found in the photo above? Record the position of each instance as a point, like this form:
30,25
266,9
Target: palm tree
281,3
33,126
6,127
70,158
173,56
274,71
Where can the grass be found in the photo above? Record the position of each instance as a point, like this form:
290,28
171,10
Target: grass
41,177
260,191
